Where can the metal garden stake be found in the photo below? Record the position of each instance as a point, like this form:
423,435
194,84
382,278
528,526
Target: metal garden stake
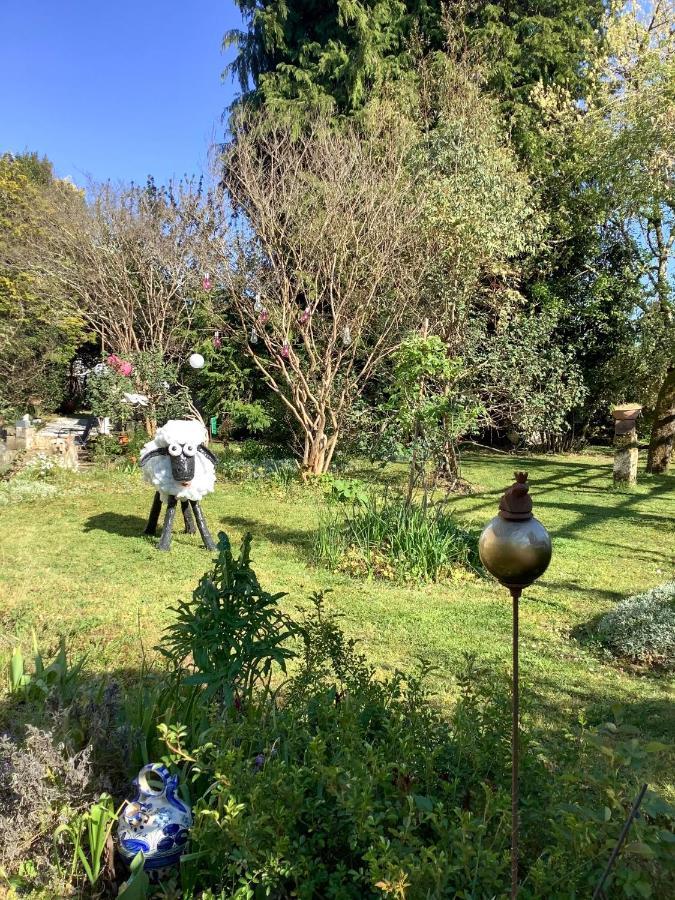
515,548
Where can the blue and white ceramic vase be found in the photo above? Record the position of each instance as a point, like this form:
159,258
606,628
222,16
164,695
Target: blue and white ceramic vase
156,821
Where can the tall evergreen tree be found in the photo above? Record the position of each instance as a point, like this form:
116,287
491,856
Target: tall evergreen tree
339,53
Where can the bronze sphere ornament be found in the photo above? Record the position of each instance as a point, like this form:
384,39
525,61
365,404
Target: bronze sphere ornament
515,548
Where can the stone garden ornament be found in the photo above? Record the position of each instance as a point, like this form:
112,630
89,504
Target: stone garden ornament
156,822
179,465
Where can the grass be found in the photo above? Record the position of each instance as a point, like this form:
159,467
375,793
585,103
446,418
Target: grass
78,564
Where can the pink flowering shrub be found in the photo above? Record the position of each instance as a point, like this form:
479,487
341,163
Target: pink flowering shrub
121,366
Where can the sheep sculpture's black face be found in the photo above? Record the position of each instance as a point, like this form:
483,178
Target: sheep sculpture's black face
182,458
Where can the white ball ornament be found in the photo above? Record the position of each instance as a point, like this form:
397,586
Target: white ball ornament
196,361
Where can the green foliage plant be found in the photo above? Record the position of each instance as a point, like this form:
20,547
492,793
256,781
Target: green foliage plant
40,325
58,676
89,833
346,490
137,885
391,538
152,376
340,782
228,638
428,407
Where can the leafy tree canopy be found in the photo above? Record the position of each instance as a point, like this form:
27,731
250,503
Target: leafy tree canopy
39,329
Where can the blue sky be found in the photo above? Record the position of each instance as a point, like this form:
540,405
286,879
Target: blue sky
115,90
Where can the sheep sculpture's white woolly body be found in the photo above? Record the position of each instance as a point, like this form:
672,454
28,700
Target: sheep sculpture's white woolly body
157,471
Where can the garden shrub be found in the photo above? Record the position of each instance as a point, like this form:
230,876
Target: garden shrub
231,631
391,538
112,450
106,447
147,373
340,784
642,628
346,490
260,452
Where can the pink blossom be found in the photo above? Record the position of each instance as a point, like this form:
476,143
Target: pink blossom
121,366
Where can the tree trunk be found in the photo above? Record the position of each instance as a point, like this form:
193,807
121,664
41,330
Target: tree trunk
448,465
150,425
663,429
318,452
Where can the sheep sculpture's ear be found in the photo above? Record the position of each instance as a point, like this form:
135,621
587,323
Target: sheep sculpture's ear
160,451
207,453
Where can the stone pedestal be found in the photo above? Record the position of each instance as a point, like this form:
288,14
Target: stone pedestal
626,458
625,443
22,439
6,456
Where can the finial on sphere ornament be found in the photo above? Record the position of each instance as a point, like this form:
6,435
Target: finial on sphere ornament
514,546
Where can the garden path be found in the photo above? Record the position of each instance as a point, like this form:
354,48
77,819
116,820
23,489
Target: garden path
79,426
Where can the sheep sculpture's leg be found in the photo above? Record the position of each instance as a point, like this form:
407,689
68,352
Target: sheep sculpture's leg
187,517
153,519
165,540
209,543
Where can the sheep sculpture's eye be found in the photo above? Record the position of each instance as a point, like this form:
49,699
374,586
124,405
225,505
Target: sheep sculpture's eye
189,449
175,449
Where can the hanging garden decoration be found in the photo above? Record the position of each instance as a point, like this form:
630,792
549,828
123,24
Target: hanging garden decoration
217,343
206,282
258,305
346,336
285,350
254,336
196,361
264,316
304,316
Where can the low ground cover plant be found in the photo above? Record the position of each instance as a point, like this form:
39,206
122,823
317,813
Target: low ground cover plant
38,477
236,468
309,775
642,628
390,537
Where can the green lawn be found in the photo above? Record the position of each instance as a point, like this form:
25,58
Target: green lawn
78,564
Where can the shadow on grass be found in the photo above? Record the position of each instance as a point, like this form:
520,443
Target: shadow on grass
296,537
572,586
652,717
586,482
116,523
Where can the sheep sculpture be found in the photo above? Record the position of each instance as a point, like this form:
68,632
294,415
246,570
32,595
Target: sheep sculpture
180,467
